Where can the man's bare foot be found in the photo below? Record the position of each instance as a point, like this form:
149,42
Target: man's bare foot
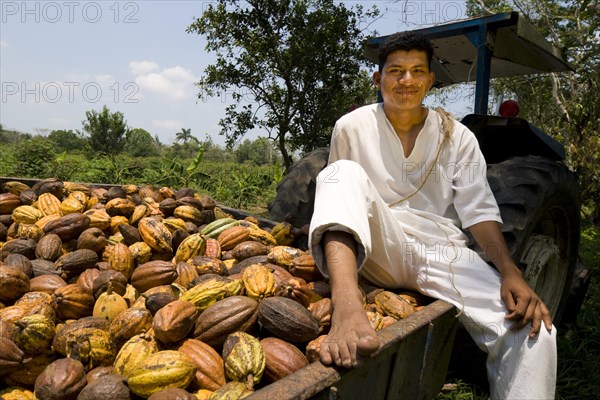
350,338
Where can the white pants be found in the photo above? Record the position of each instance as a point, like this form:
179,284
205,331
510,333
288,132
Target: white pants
518,367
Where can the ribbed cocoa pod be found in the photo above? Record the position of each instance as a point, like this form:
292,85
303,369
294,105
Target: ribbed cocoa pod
29,231
72,302
77,261
34,333
99,372
119,206
92,239
44,267
116,280
92,346
189,213
296,289
191,246
186,274
129,323
249,249
208,265
322,311
64,331
26,215
63,379
121,260
134,351
287,319
18,246
393,305
48,204
13,283
231,390
111,386
213,248
313,349
210,369
304,267
130,234
8,202
9,316
232,314
141,252
11,356
160,371
153,273
155,234
244,358
19,262
46,283
233,236
87,277
172,394
98,218
282,358
49,185
28,373
49,247
69,226
283,255
174,321
259,281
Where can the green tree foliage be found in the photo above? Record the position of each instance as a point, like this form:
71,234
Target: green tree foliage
295,64
259,152
140,143
67,140
565,105
34,157
107,131
185,136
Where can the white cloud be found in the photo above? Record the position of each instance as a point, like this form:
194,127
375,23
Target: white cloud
167,124
142,67
176,83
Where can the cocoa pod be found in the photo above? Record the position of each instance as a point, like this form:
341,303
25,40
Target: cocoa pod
13,283
72,302
244,358
92,239
131,322
46,283
287,319
153,273
110,386
69,226
282,358
63,379
49,247
210,369
11,356
174,321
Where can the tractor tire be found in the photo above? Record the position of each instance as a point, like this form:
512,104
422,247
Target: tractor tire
539,203
294,202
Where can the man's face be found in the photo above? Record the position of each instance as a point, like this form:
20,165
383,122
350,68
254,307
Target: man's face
404,80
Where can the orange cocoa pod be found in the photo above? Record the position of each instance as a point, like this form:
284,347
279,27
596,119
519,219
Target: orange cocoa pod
210,370
282,358
233,236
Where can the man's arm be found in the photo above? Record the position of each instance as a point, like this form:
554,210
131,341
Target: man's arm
523,304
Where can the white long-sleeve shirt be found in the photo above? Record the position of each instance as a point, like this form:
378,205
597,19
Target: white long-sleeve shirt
456,193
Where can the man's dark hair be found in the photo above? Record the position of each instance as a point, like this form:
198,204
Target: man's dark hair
406,41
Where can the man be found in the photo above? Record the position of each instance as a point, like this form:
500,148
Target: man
401,180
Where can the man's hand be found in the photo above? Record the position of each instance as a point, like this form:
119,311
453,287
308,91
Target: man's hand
524,305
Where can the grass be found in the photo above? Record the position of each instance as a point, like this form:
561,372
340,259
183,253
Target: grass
578,376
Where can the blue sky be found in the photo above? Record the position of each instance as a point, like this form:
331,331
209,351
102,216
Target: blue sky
59,59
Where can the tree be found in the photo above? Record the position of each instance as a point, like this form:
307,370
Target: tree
185,136
565,105
140,143
296,65
107,131
67,140
34,157
259,151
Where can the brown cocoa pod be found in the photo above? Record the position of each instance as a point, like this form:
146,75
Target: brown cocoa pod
167,206
49,247
174,321
184,192
231,314
248,249
46,283
49,185
322,311
114,279
8,202
87,277
77,261
13,283
119,206
210,372
115,192
240,265
186,274
63,379
287,319
130,234
179,235
64,331
321,287
109,386
99,372
28,373
92,239
282,358
25,247
44,267
233,236
208,265
296,289
153,273
11,356
131,322
393,305
69,226
313,348
28,197
190,201
19,262
156,301
121,259
172,394
304,267
3,232
72,301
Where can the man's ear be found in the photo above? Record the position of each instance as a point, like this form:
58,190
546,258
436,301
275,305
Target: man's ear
377,79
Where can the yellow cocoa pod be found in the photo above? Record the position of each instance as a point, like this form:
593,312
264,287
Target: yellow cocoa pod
233,236
262,236
120,206
162,370
93,346
230,263
80,196
44,220
92,201
26,215
244,358
140,211
98,218
155,234
376,319
48,204
283,255
231,390
15,187
30,231
116,221
133,352
109,304
220,214
393,305
259,281
34,333
204,394
191,246
71,205
174,223
141,252
283,233
189,214
16,393
71,187
212,290
121,259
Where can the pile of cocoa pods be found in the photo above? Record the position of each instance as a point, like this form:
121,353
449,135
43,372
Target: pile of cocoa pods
148,292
